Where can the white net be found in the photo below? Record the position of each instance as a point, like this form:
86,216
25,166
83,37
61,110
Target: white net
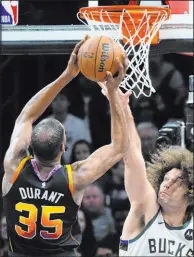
136,46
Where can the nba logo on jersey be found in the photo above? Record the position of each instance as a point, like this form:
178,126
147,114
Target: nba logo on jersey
9,12
43,185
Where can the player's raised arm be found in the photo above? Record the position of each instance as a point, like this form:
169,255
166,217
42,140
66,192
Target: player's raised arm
139,189
89,170
21,136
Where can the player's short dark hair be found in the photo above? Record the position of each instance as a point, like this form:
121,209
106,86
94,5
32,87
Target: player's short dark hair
167,159
47,138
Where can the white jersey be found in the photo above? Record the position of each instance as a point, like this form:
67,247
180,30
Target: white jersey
159,239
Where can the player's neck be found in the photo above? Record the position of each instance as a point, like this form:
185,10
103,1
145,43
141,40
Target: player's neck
174,217
46,164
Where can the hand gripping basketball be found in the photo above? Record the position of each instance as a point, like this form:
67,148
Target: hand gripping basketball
72,67
115,82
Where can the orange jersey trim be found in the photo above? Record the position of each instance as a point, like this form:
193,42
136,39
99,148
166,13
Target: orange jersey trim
70,178
19,168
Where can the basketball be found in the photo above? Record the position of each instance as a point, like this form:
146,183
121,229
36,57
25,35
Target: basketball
98,55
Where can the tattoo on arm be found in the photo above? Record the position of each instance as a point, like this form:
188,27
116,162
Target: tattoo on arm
79,178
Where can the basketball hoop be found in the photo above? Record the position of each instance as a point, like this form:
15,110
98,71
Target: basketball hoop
138,28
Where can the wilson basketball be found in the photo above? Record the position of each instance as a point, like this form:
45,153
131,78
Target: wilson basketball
98,55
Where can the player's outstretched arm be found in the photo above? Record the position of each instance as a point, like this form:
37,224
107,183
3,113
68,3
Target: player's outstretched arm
21,136
137,185
138,188
141,194
89,170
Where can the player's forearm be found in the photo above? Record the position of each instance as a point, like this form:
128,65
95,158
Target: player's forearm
118,122
134,139
38,104
133,152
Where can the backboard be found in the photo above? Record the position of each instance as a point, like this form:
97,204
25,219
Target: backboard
176,34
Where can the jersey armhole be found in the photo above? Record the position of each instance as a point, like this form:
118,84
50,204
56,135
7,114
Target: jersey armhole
19,168
70,178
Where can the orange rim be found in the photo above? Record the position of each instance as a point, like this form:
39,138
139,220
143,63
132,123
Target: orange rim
114,12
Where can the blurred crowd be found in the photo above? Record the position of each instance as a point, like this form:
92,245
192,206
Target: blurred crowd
84,112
